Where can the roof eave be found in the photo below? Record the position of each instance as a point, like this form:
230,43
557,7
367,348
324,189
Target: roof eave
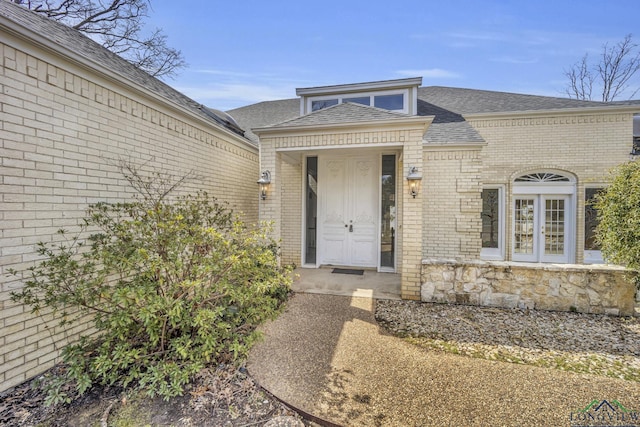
382,84
42,42
555,111
413,121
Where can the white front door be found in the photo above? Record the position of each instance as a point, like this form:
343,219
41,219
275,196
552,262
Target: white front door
348,210
541,228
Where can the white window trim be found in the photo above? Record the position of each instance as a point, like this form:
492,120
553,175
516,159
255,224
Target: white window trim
540,190
303,248
393,269
497,254
592,256
371,95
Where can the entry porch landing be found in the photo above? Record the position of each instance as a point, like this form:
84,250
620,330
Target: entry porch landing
370,284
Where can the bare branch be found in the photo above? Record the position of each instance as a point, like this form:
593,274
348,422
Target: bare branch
617,66
580,80
118,26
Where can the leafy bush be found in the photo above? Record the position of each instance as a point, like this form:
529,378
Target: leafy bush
618,208
170,286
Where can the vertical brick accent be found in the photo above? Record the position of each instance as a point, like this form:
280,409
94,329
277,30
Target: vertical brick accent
412,220
453,204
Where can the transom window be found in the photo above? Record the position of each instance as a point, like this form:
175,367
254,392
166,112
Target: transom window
542,177
385,100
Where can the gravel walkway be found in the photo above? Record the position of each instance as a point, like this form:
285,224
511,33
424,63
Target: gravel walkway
328,356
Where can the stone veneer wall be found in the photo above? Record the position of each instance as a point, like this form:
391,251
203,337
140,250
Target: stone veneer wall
597,289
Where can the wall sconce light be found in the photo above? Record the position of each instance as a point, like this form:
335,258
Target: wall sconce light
264,181
414,177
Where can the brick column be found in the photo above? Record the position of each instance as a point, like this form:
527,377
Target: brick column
270,209
412,221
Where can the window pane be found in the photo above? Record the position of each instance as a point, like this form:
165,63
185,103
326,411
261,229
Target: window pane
388,203
319,105
389,102
590,220
312,209
554,227
523,223
490,218
364,100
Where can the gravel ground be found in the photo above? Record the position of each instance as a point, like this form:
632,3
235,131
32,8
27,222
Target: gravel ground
585,343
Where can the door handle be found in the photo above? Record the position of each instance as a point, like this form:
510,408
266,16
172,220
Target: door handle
350,228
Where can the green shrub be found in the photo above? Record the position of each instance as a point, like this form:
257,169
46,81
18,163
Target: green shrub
618,208
171,287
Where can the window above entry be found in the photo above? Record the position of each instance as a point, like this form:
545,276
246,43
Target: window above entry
387,101
398,95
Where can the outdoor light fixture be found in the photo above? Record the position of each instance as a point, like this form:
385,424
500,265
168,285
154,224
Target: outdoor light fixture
264,181
414,179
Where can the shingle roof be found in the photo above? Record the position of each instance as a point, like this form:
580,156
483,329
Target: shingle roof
265,113
448,105
473,101
67,37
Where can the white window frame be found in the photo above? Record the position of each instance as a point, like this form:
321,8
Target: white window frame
404,92
591,256
540,190
398,188
497,254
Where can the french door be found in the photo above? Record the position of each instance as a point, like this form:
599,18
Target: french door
542,228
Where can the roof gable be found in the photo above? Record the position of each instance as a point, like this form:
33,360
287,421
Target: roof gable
346,112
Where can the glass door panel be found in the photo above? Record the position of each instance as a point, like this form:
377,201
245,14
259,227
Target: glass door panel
388,213
525,238
554,229
311,210
540,229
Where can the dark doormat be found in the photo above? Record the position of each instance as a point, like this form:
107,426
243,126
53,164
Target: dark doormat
348,271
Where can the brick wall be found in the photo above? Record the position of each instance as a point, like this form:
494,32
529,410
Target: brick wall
281,153
291,212
63,131
585,146
452,203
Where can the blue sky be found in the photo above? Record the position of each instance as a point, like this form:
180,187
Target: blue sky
246,51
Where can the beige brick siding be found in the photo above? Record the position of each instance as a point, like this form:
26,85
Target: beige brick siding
291,213
282,152
452,202
585,146
63,129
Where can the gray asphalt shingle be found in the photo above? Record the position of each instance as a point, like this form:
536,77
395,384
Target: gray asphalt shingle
448,105
64,36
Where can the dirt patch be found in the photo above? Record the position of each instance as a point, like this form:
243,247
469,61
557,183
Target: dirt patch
224,396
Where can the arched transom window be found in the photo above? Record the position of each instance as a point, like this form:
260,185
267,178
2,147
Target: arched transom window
542,177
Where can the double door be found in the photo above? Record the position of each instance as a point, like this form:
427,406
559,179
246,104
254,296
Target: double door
348,210
541,228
